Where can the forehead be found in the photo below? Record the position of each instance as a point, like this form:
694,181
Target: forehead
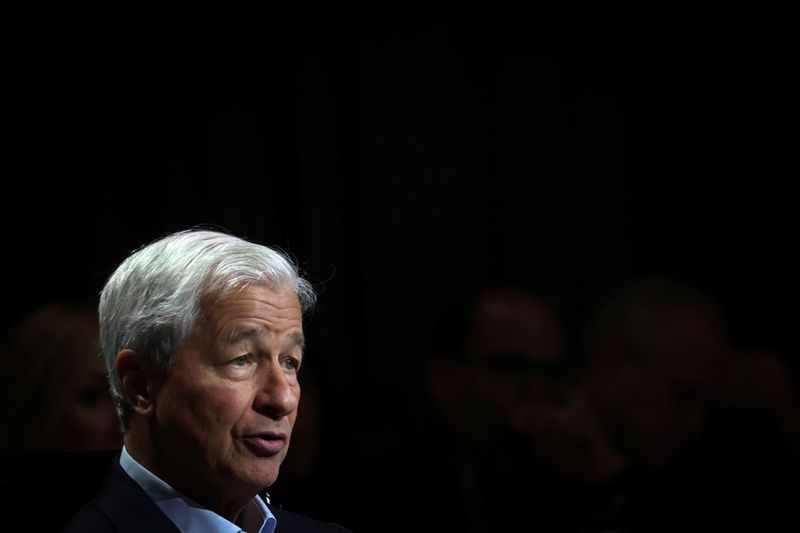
268,304
509,310
518,322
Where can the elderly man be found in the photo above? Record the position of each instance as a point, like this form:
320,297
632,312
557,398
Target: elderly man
202,333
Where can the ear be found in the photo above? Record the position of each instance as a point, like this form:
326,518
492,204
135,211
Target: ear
136,381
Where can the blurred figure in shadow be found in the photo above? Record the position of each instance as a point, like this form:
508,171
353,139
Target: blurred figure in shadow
55,395
708,431
302,463
309,480
501,441
58,423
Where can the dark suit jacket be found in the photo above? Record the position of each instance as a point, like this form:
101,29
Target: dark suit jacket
121,506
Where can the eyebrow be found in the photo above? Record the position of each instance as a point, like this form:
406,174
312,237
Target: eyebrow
238,335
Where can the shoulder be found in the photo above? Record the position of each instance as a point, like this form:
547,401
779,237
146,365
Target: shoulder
120,505
289,522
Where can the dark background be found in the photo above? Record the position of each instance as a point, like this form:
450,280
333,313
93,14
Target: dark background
399,152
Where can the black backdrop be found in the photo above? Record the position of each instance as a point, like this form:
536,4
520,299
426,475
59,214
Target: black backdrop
400,151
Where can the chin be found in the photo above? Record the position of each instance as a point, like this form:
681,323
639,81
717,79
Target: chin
258,475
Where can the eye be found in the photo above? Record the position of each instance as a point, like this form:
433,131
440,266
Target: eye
240,361
291,363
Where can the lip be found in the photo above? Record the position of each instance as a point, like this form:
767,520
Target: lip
264,444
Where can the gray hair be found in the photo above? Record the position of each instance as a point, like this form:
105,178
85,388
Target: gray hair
151,302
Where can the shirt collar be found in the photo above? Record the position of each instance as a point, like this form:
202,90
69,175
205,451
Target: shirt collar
189,515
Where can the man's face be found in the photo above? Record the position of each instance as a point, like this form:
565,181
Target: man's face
515,340
89,420
225,412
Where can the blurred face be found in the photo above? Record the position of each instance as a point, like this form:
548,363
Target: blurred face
89,420
651,417
515,339
654,393
224,414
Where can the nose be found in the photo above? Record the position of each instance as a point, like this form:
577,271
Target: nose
278,394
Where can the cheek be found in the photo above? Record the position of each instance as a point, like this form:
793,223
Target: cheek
293,418
204,407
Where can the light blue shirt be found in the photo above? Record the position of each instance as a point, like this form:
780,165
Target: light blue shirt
189,515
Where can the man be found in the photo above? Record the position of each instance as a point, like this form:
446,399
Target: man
202,333
506,447
51,359
707,428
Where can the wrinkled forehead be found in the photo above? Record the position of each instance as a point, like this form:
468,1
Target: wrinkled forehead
265,300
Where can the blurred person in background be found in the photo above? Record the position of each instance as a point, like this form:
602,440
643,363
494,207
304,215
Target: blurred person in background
55,395
498,439
707,430
58,424
310,480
